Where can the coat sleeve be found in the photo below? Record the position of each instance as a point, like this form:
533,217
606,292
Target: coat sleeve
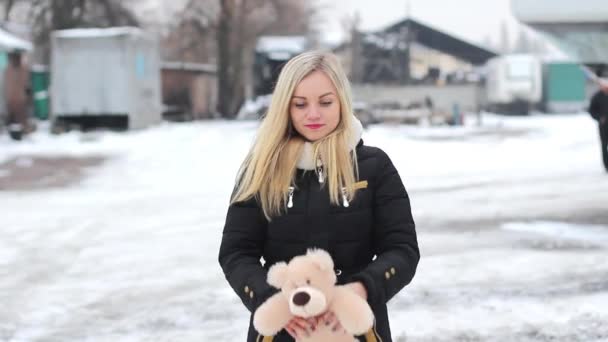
395,243
594,106
240,252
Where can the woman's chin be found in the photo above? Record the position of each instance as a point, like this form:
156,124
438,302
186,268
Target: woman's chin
314,136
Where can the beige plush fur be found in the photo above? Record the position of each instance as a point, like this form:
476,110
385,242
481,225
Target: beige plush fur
308,289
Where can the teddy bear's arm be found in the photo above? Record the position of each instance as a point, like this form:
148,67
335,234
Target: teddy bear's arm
352,311
272,316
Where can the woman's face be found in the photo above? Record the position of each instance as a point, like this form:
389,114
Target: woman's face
314,107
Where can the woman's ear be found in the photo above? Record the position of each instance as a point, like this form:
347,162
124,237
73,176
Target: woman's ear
277,274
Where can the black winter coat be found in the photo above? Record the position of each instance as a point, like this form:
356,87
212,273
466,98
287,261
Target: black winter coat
598,106
373,240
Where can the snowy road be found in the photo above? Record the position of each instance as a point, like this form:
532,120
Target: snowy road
512,220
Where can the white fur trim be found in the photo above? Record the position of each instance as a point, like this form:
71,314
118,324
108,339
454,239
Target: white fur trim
306,161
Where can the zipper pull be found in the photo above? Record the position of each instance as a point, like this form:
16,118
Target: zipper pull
320,171
290,201
344,199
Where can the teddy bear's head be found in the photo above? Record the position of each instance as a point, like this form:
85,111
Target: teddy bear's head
307,282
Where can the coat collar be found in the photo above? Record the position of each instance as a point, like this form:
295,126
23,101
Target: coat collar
306,161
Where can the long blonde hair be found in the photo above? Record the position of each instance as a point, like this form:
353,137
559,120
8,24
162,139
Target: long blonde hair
270,166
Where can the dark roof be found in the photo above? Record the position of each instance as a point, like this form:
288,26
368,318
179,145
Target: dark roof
438,40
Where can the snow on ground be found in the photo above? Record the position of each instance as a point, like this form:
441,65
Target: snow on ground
511,216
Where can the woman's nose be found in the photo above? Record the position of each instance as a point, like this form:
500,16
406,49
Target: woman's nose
313,113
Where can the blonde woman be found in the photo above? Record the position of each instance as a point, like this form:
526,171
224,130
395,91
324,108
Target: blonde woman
309,181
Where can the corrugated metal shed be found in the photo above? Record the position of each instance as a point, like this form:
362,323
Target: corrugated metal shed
106,72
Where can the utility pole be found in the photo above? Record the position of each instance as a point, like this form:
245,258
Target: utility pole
356,50
406,36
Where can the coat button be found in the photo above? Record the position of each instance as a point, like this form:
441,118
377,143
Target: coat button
393,271
246,289
387,275
251,294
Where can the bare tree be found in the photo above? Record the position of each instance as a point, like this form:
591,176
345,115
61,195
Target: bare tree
240,23
290,18
505,43
191,37
115,13
15,12
46,16
523,44
8,7
231,29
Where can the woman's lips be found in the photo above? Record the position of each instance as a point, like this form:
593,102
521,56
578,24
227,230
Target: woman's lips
314,126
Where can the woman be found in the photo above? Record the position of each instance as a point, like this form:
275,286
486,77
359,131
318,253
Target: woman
309,181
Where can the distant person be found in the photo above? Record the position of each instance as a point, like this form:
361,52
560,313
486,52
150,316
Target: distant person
16,95
598,109
428,101
310,181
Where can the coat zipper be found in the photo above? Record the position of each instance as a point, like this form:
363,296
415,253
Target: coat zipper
291,190
320,171
290,200
345,198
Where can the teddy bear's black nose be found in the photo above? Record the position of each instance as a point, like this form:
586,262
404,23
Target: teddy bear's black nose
301,298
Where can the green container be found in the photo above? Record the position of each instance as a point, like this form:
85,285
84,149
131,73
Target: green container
40,86
3,60
564,87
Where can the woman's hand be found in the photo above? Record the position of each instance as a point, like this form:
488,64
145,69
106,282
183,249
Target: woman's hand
300,327
358,288
329,319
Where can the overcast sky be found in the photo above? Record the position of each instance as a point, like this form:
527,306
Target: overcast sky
473,20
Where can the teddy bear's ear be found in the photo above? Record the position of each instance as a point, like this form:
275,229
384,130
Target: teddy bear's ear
277,274
321,258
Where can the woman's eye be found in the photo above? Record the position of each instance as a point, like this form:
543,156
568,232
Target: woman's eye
300,105
325,104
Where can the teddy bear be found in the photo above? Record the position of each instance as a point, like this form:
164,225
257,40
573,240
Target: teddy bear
308,289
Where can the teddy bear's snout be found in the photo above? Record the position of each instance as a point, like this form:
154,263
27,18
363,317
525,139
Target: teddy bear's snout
301,298
307,301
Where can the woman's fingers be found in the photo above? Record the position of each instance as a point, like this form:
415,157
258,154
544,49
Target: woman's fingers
302,323
329,318
299,327
291,332
295,330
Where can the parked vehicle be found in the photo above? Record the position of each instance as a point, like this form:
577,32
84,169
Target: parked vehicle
513,84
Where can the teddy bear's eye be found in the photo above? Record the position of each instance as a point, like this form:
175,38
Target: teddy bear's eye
307,281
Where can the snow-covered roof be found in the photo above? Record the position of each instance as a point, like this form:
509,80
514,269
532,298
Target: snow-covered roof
97,32
280,46
10,42
39,68
186,66
561,11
